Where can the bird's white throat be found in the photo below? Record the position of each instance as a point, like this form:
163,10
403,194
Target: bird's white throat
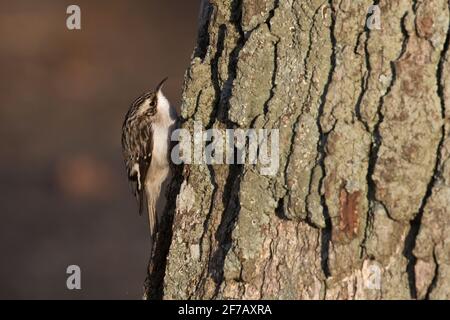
164,110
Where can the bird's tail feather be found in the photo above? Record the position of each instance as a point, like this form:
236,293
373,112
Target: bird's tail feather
156,202
152,218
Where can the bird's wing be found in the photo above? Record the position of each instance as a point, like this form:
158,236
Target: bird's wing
137,148
145,159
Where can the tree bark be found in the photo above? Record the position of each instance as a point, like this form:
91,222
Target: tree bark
363,188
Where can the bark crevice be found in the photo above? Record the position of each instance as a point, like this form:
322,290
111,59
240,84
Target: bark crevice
326,233
435,277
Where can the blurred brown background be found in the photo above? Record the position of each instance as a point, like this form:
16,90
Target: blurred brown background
64,194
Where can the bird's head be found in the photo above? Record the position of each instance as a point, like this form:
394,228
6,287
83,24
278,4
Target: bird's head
152,102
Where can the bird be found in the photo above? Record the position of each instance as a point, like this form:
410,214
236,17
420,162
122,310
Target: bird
146,142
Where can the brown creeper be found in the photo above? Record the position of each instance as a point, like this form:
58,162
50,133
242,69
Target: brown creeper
146,136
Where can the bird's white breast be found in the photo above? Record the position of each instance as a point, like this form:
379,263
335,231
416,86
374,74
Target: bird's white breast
162,130
160,144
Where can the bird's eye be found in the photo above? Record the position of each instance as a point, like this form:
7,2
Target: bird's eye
152,103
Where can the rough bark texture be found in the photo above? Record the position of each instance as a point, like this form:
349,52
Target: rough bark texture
364,175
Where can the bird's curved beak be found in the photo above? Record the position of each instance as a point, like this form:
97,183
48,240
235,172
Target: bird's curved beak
160,85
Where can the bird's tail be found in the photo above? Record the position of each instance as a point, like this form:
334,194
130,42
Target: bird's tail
152,199
156,203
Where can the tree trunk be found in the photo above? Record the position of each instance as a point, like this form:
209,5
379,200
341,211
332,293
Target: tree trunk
360,206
